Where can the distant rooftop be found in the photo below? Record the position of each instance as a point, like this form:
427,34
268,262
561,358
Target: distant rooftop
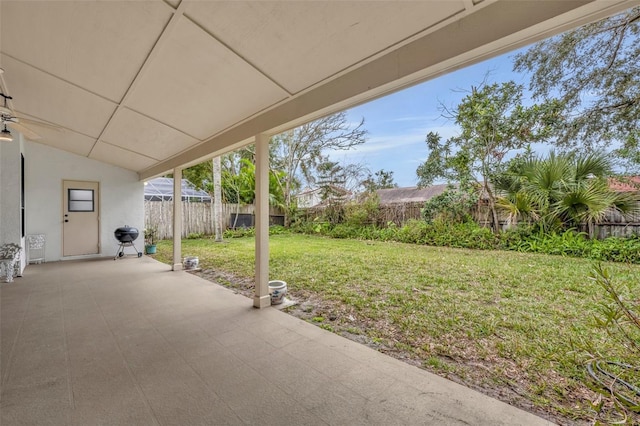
629,184
411,194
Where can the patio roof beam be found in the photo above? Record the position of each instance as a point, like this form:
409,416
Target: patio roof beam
261,298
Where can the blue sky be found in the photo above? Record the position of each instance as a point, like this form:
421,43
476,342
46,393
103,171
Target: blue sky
398,123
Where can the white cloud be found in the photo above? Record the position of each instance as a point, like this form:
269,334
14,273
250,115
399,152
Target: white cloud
414,160
406,139
414,118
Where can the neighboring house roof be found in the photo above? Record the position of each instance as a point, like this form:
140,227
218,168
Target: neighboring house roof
309,191
411,194
628,184
161,188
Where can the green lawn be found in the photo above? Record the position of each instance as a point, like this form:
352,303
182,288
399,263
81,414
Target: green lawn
510,324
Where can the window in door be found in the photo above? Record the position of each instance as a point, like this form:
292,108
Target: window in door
81,200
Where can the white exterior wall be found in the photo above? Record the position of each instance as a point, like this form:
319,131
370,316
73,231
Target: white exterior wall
10,215
309,198
121,197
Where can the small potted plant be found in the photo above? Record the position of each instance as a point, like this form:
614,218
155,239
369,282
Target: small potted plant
150,233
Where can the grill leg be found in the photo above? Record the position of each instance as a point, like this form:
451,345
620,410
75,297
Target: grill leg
119,253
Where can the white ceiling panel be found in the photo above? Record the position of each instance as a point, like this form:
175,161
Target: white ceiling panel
82,41
198,86
50,99
120,157
63,139
140,134
300,43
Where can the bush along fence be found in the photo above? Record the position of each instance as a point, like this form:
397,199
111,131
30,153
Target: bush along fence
196,217
397,214
472,236
613,224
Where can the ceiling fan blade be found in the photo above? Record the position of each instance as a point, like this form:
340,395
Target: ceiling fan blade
26,132
38,123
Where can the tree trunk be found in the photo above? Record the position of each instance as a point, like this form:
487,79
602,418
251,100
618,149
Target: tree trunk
287,204
495,225
217,199
494,214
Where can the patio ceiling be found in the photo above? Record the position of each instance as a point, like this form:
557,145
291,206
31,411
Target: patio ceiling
153,85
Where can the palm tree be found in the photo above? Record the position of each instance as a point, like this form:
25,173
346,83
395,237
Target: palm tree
529,189
563,190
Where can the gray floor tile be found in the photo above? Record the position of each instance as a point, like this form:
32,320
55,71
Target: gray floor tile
131,343
42,403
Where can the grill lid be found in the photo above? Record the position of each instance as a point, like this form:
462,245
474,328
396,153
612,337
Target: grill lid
126,234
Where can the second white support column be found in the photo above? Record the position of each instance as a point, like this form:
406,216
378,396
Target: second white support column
261,298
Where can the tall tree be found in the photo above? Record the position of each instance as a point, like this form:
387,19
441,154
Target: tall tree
493,122
594,70
237,180
379,180
299,151
351,175
331,181
201,176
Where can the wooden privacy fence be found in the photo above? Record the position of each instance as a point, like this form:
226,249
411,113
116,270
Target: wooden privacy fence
613,224
196,217
616,225
397,213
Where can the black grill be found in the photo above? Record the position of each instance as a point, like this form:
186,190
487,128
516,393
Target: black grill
126,235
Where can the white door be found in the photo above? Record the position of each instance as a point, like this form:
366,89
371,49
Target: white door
81,220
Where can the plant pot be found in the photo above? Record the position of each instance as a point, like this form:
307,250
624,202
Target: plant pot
190,263
277,291
150,249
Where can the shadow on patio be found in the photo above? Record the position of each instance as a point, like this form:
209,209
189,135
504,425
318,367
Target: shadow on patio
129,342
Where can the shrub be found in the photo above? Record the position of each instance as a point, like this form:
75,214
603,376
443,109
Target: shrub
414,231
575,244
363,212
239,233
334,213
472,236
343,231
251,232
617,249
453,205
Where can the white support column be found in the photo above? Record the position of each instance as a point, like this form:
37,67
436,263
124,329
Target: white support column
177,219
261,298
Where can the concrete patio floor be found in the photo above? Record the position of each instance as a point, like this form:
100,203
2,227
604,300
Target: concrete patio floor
129,342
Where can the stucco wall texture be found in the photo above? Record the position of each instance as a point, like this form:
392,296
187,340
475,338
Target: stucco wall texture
121,196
